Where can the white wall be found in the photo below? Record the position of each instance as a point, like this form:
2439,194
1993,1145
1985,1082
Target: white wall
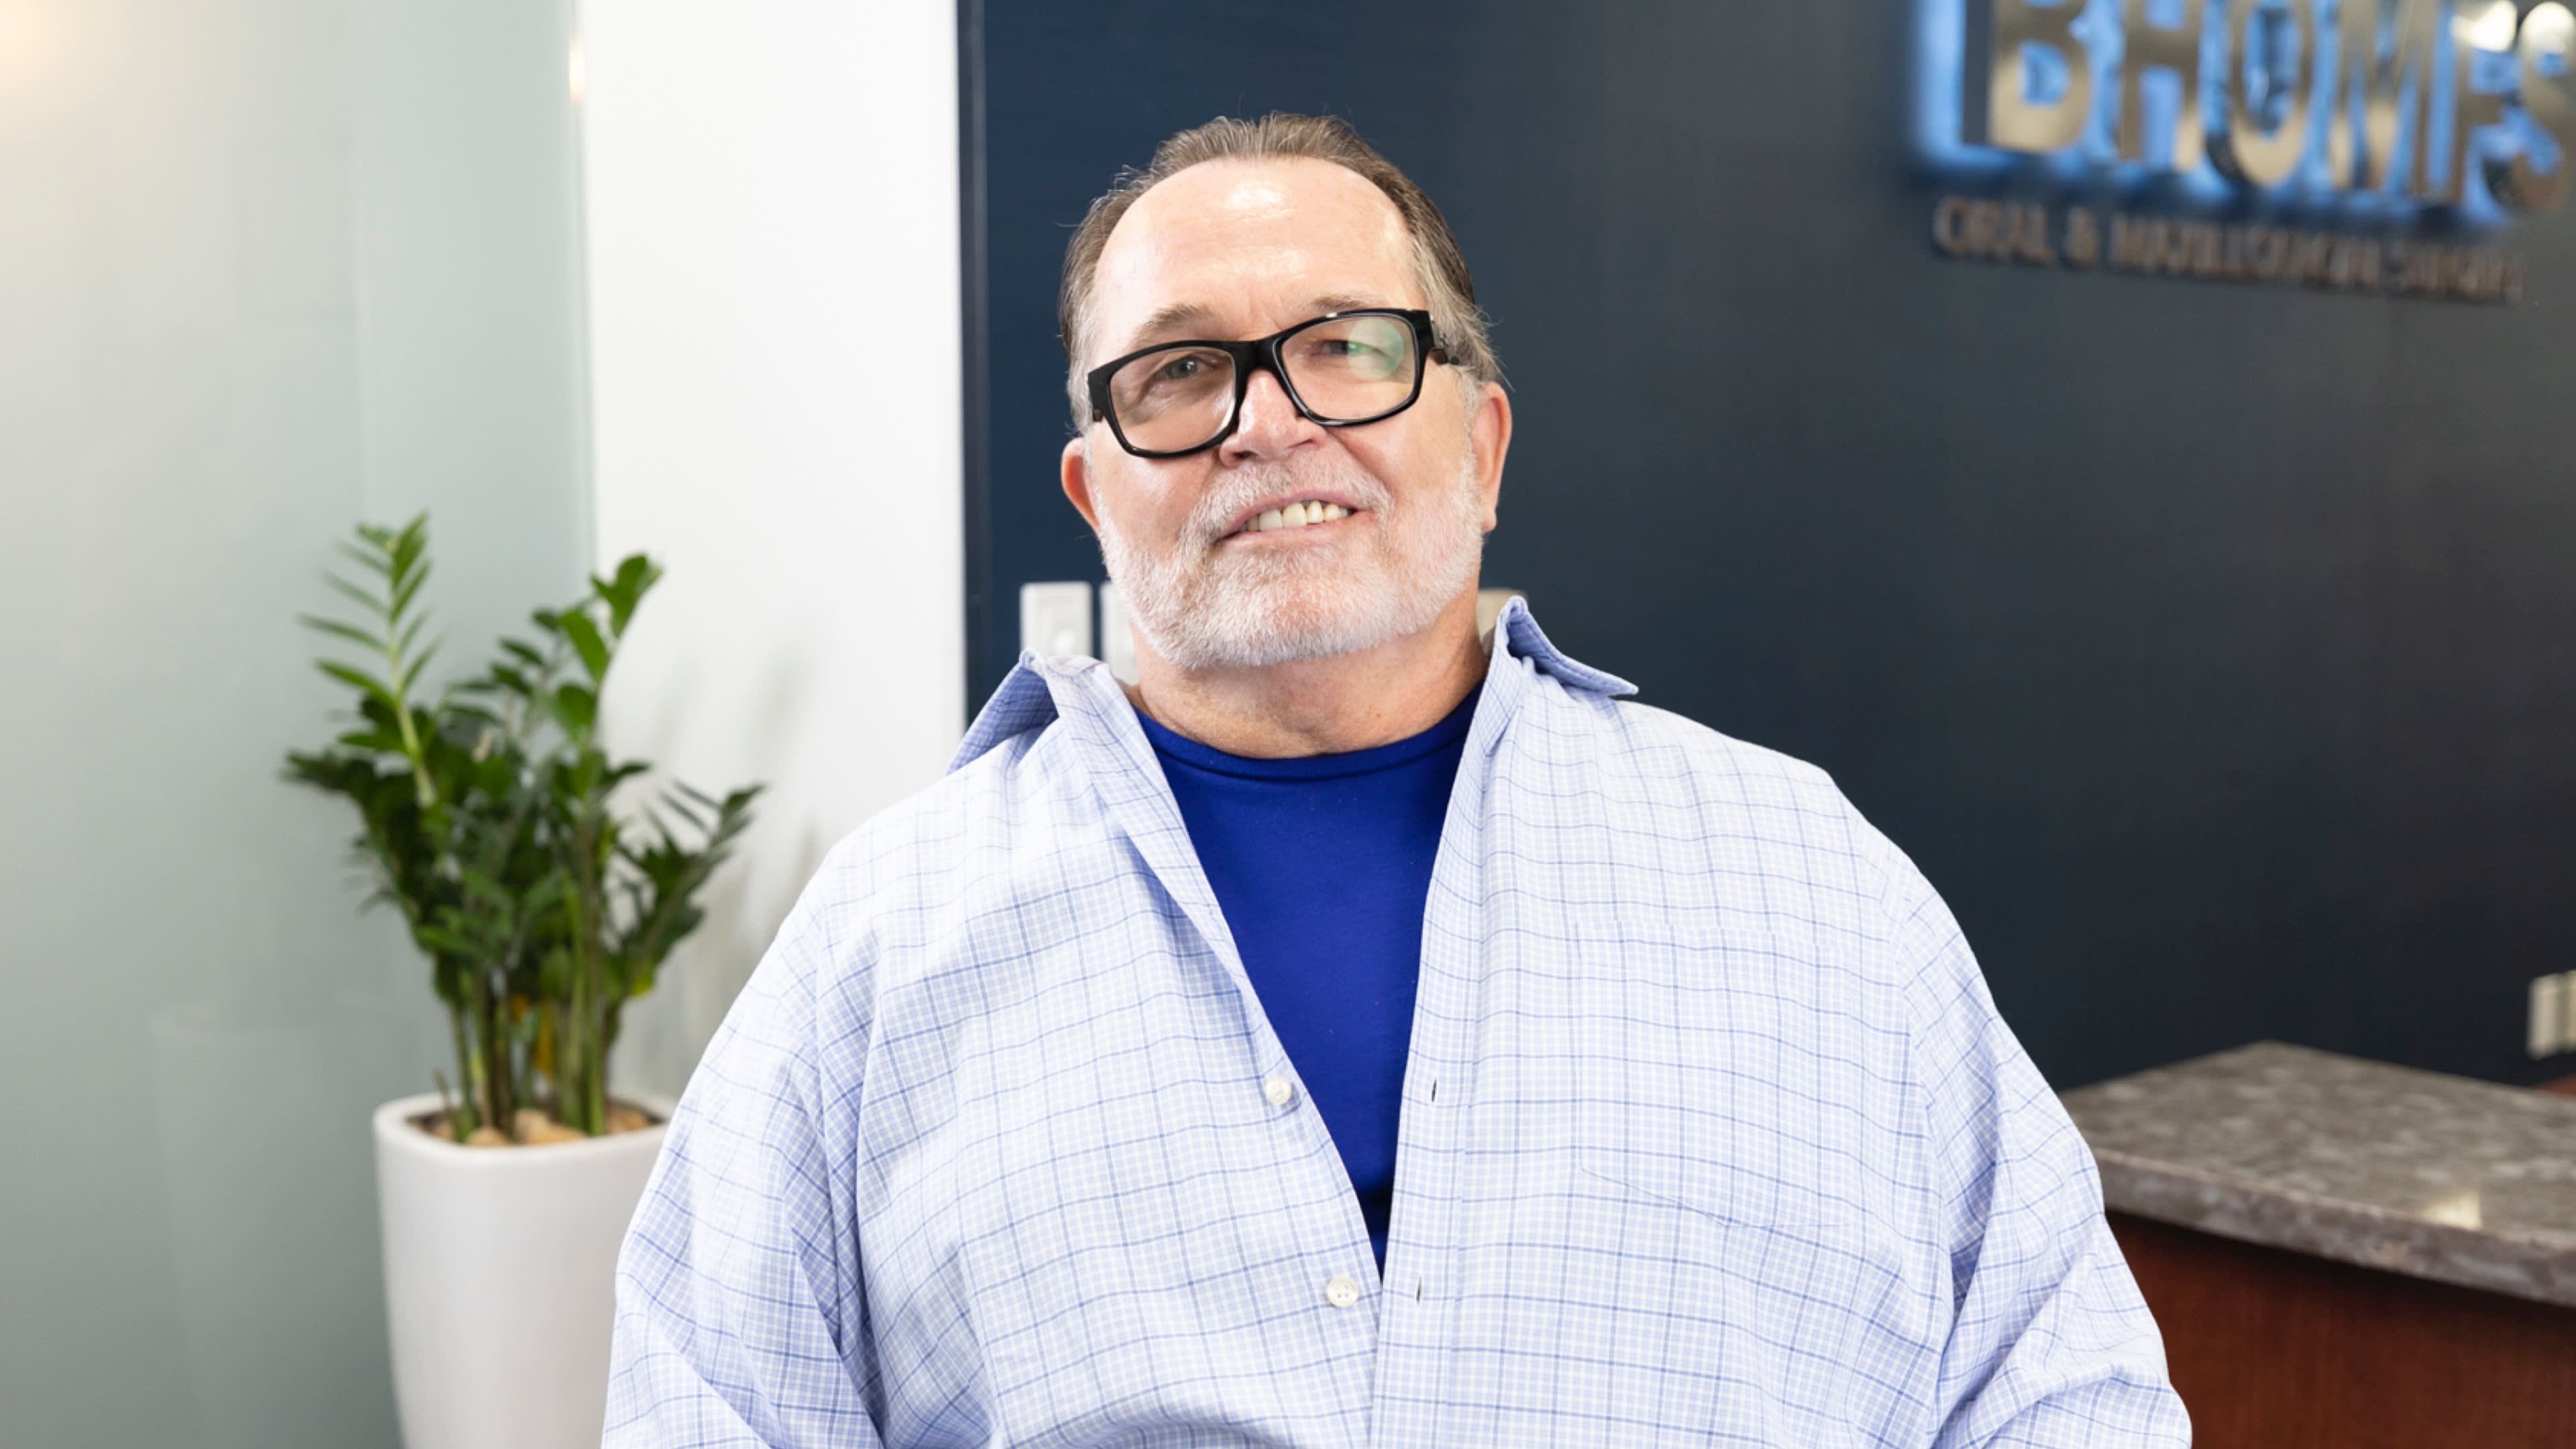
774,322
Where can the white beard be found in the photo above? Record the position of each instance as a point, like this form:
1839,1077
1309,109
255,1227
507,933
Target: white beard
1204,609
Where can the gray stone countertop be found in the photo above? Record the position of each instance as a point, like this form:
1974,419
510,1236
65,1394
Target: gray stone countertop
2389,1167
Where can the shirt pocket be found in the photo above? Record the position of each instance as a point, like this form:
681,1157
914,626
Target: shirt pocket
1756,1303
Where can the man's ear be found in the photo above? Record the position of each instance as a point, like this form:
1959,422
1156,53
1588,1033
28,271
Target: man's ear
1076,468
1489,439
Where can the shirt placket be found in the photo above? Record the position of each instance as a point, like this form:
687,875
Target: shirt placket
1338,1268
1417,1317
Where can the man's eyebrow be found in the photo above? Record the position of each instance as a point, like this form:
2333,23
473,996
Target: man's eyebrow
1177,317
1173,317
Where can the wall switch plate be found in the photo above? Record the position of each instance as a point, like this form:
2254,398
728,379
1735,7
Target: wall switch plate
1055,619
2551,1030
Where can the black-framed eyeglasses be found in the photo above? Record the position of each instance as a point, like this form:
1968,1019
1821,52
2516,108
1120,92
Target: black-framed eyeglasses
1340,370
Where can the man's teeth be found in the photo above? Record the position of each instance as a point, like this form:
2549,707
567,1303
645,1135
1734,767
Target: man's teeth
1297,515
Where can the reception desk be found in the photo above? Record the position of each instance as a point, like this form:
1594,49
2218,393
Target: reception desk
2345,1254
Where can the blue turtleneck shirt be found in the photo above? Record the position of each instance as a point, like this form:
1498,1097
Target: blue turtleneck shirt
1322,866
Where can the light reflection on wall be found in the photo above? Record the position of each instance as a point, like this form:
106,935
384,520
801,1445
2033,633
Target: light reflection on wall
36,60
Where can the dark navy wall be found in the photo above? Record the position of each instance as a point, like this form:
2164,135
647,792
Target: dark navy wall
2212,649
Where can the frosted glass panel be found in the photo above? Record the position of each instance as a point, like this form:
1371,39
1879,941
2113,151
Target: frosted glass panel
266,267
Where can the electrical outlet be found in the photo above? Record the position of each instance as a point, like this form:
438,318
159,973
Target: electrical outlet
2553,1014
1055,619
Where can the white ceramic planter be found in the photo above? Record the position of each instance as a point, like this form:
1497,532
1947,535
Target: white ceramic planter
500,1279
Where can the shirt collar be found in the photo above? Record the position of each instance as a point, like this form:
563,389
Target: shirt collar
1042,689
1517,625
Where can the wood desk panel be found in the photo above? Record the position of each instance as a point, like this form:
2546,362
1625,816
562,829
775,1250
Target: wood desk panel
2279,1350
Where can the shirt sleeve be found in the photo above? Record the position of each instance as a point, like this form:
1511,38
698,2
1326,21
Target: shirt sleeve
739,1309
2050,1344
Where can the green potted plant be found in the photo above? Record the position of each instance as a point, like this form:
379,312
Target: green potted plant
489,818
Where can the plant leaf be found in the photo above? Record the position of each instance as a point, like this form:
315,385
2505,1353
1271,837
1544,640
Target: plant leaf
353,593
405,548
356,679
374,643
586,642
408,589
412,671
442,941
411,633
372,559
636,576
574,708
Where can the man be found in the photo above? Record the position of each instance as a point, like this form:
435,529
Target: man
1357,1031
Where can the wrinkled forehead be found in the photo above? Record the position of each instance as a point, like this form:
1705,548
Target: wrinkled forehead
1240,247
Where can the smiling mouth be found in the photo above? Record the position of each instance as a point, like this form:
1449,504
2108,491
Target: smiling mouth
1293,515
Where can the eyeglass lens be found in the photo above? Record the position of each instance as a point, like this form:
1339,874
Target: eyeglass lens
1345,369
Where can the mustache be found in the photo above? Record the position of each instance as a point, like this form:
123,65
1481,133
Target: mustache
1212,518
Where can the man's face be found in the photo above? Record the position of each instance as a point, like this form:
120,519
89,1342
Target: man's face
1241,249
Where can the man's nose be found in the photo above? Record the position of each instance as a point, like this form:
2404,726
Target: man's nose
1270,425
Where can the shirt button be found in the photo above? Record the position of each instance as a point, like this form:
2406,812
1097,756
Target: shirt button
1278,1091
1341,1293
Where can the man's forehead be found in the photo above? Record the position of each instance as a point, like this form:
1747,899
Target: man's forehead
1225,233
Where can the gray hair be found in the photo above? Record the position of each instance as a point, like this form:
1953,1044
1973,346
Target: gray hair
1439,266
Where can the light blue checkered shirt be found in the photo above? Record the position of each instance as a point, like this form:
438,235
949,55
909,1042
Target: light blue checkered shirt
1711,1134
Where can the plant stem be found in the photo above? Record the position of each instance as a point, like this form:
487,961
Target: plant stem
582,1038
464,1075
547,1057
422,789
446,1104
594,1096
484,1086
496,1049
